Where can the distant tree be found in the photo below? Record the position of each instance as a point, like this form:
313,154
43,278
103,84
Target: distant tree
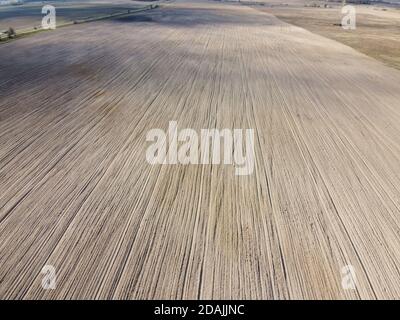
11,33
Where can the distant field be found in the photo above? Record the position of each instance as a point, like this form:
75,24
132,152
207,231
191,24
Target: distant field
29,14
377,31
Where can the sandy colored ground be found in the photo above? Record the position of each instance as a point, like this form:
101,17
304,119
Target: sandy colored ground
77,193
377,32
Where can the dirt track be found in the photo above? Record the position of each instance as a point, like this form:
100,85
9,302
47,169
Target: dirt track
77,193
